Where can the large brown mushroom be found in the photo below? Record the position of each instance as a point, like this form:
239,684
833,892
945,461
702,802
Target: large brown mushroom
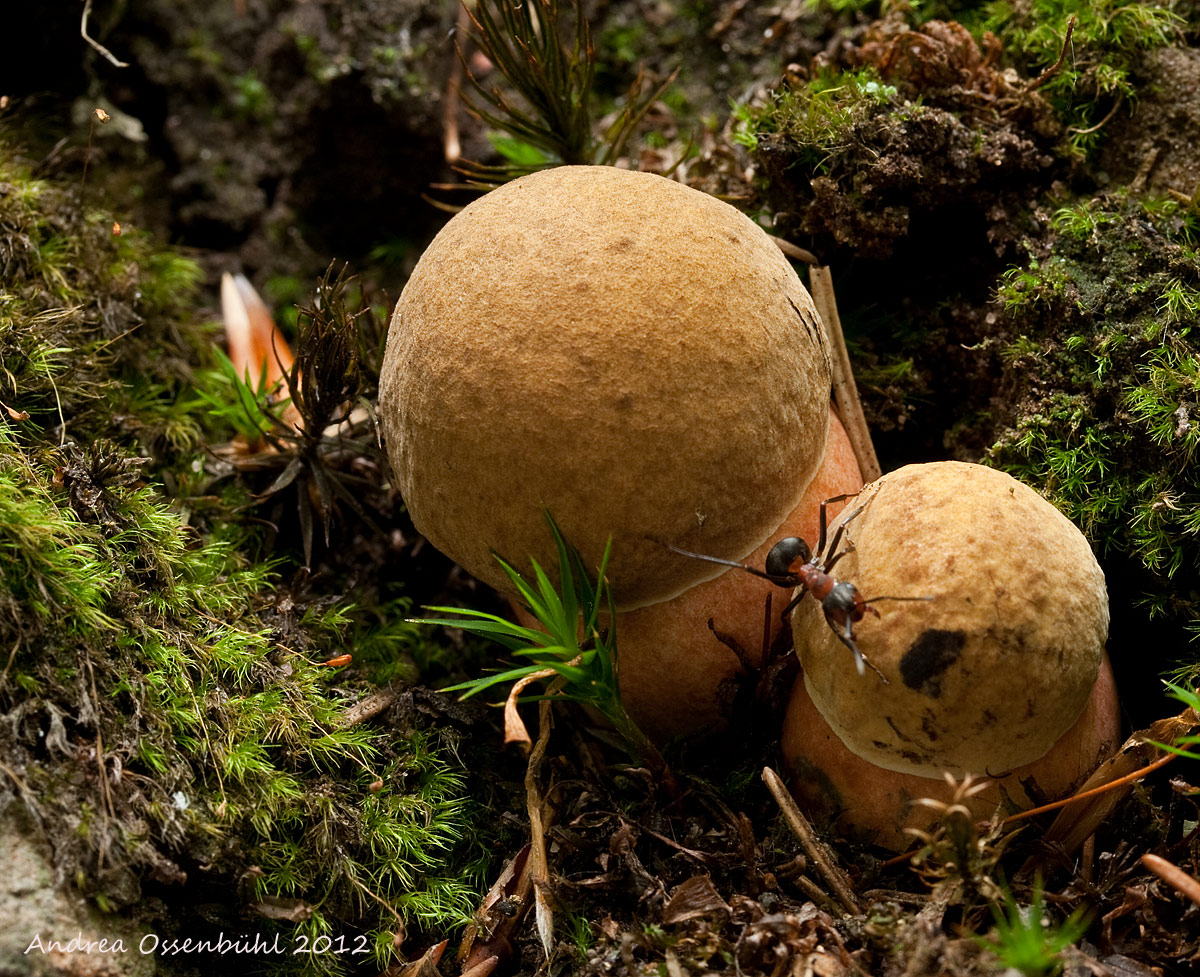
630,355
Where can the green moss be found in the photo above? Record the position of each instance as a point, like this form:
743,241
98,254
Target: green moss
622,44
1105,373
165,707
818,119
1094,78
1096,73
82,305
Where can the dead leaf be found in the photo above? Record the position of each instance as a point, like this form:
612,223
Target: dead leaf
694,898
254,340
1136,896
427,965
1077,821
499,915
514,725
279,907
482,969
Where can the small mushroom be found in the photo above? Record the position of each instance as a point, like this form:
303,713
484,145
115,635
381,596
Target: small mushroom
877,805
629,354
988,673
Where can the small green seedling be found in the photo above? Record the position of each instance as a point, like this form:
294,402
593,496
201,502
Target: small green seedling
1026,941
577,650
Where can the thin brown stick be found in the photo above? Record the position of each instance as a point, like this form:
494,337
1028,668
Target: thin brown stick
837,880
1055,805
386,905
16,780
815,892
11,656
792,251
1053,70
368,708
1099,125
1087,859
727,18
899,859
483,968
83,32
1102,789
451,146
845,390
1174,876
539,869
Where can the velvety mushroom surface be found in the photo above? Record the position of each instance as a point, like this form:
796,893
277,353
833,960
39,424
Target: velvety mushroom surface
990,672
877,805
629,354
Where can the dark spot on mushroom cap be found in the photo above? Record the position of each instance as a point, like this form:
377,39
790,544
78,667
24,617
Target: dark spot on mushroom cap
929,726
927,659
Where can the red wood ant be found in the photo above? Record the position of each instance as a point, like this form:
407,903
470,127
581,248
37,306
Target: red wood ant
790,563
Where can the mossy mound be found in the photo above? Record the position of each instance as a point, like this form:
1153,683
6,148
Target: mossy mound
168,718
1102,387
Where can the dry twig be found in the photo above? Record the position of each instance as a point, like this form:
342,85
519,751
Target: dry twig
845,390
369,708
838,881
451,145
539,869
1174,876
83,32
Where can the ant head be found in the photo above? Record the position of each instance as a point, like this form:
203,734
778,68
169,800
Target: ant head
785,553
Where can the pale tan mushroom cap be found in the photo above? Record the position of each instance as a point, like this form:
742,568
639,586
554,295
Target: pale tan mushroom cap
633,355
992,671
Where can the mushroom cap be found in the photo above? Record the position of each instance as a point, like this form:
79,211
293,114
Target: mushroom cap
988,674
630,355
876,805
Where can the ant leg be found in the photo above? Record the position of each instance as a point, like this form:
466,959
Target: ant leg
846,637
824,522
794,601
837,537
766,638
821,535
875,600
728,563
837,556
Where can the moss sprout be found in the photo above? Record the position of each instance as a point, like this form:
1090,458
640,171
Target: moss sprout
1107,38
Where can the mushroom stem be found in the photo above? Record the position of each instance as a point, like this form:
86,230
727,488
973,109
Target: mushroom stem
845,390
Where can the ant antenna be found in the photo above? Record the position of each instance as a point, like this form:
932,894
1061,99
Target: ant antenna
774,578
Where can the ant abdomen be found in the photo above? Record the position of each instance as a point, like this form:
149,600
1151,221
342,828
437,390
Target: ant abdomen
784,554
